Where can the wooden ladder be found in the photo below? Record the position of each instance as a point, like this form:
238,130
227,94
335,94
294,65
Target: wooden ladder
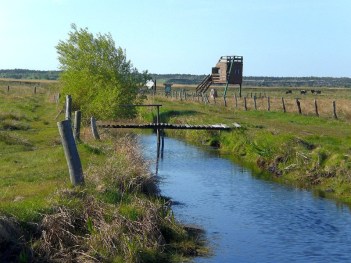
204,85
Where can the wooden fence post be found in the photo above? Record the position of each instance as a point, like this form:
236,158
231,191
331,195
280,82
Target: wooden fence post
206,97
68,113
245,104
268,103
236,101
283,102
71,152
8,88
76,126
298,106
35,89
255,102
225,101
334,110
316,107
57,98
94,128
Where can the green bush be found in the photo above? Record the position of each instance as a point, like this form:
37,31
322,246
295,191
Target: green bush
98,75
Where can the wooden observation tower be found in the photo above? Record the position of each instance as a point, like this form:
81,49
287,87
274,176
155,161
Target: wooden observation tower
228,70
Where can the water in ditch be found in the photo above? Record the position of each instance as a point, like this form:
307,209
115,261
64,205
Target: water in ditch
247,219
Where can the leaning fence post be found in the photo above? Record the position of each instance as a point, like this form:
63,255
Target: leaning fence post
71,152
76,126
94,128
283,102
334,110
255,104
316,108
298,106
68,107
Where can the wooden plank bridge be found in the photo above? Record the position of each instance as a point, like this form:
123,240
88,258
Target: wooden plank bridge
161,126
169,126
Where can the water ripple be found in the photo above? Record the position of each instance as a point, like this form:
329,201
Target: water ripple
247,219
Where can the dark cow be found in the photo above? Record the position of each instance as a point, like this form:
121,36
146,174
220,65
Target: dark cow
288,91
303,92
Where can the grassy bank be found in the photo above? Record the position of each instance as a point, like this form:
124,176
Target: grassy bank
117,216
300,150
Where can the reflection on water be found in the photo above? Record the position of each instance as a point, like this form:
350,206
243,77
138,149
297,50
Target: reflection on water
247,219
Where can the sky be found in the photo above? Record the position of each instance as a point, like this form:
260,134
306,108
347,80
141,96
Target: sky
281,38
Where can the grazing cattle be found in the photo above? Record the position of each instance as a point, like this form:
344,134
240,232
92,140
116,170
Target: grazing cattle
313,91
318,91
303,92
288,91
213,93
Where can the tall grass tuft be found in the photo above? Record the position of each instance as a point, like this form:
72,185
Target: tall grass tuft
126,170
118,217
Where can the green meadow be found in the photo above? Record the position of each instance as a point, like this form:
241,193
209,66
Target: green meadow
118,215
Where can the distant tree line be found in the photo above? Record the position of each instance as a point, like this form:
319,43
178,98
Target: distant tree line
29,74
189,79
261,81
186,79
297,82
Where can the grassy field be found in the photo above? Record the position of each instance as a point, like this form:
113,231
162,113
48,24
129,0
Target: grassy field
31,156
302,150
117,216
324,100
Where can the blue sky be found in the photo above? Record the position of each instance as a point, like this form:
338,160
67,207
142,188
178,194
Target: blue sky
276,37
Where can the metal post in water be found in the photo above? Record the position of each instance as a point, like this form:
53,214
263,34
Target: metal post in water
162,143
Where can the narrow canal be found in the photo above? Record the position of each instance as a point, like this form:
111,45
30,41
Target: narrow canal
247,219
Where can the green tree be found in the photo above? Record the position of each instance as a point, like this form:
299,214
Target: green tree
98,75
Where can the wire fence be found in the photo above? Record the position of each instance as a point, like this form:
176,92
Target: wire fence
304,105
